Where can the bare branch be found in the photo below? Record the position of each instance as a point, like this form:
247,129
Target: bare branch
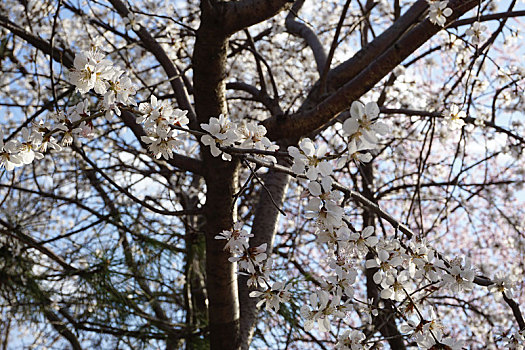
173,73
302,30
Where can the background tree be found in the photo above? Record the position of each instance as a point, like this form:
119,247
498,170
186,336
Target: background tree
160,188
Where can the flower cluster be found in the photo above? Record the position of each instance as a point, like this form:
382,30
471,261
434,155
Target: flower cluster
309,161
254,263
158,120
93,71
397,271
38,139
222,133
324,208
314,163
14,153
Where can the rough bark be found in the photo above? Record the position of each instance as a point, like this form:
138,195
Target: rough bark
209,60
245,13
218,21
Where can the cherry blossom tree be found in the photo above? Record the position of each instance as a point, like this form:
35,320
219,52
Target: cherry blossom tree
262,174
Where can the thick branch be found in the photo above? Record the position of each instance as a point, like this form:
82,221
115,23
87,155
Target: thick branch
304,122
238,15
61,328
209,61
258,95
353,66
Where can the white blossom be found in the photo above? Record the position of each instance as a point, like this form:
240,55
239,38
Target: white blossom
438,12
91,71
362,125
237,238
503,284
459,277
309,160
273,297
476,33
454,117
9,158
221,132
